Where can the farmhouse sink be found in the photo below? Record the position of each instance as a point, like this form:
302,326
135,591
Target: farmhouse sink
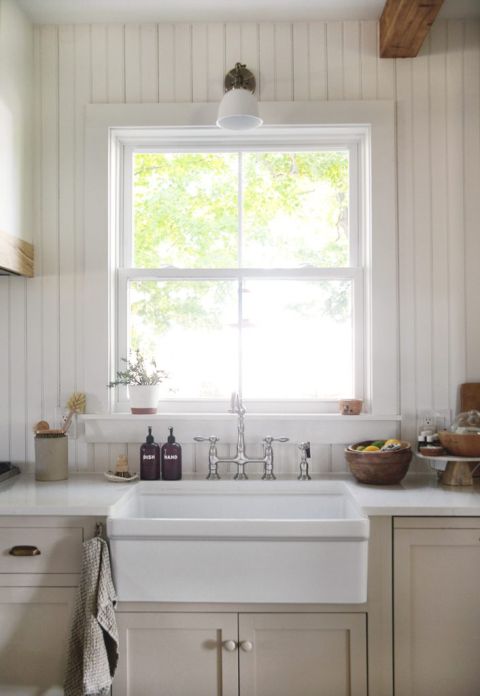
248,541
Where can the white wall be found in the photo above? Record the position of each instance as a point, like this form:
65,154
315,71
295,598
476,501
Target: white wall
438,146
16,102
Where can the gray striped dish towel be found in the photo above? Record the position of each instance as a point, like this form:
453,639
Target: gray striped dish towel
93,650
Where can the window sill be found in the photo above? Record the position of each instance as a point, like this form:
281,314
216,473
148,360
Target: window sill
321,428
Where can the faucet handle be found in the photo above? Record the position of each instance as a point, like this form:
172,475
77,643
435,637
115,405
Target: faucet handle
213,439
269,439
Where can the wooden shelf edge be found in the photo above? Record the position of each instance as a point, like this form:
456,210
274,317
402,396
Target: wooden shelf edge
16,255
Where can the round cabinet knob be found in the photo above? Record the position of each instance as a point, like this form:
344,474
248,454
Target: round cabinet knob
246,646
229,645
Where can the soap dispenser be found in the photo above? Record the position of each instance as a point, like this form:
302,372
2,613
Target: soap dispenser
171,459
150,459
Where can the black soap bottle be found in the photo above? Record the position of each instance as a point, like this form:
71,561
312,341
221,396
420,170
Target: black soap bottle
171,459
150,459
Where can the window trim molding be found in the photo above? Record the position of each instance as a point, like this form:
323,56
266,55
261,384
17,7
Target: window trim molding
380,261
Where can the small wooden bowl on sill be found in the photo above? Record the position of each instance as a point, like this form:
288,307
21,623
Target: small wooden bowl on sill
379,468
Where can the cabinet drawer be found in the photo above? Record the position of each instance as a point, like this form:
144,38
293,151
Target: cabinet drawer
60,549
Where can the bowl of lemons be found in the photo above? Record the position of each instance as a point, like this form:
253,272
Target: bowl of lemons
379,462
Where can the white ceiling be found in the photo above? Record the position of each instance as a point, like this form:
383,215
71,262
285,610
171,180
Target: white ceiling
74,11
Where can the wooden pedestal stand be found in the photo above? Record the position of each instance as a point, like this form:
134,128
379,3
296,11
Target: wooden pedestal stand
453,471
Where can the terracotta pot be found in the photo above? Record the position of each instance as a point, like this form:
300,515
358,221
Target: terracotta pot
379,468
350,407
144,398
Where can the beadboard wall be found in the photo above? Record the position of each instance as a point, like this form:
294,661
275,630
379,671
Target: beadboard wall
438,169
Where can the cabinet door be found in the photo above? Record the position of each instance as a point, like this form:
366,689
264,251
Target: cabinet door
177,655
437,612
34,629
303,654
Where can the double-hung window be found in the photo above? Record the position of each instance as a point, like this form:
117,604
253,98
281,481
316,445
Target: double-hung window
241,264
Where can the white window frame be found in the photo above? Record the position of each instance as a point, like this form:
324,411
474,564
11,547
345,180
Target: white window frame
353,140
375,119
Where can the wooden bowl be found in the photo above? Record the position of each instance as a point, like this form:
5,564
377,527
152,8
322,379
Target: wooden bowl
379,468
460,444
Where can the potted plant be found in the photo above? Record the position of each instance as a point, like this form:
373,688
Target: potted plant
143,382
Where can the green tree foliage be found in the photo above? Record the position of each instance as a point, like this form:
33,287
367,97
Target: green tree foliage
186,214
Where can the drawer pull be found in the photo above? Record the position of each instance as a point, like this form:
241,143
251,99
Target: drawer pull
24,551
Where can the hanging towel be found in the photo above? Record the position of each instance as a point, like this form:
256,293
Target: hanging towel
93,650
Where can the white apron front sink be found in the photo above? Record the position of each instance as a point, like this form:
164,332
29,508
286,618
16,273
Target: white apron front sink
245,541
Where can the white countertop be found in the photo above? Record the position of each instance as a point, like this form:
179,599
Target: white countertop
92,494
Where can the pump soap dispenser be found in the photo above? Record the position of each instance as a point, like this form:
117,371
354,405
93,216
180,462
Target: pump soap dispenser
150,459
171,459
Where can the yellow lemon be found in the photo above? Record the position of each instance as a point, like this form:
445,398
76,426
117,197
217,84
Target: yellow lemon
393,441
371,448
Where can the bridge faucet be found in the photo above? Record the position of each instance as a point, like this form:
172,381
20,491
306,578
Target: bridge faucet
241,459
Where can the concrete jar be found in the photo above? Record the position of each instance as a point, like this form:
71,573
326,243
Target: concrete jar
51,457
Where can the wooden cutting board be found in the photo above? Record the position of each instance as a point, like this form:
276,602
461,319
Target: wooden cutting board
470,396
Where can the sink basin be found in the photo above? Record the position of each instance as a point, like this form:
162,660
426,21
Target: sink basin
247,541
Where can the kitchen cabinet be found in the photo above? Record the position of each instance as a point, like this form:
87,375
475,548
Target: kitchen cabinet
436,606
245,654
37,592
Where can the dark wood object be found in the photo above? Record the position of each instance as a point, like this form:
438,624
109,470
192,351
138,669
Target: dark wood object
379,468
404,25
16,255
470,396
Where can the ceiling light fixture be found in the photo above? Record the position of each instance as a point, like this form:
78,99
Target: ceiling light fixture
238,109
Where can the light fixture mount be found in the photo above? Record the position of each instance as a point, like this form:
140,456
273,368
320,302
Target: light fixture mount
240,78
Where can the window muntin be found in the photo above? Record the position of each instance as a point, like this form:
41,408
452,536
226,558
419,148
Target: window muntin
170,254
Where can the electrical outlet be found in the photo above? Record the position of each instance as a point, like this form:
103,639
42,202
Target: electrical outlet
426,420
434,420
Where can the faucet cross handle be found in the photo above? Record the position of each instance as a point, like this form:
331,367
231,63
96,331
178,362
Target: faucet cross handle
268,474
269,439
212,455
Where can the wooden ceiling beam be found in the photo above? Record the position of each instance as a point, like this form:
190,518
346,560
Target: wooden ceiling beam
404,25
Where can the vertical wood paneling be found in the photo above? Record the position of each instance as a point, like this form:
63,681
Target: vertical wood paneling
317,40
351,60
406,247
439,207
368,47
471,140
199,62
267,62
66,211
423,232
183,63
335,60
99,52
283,62
233,44
34,286
249,46
166,63
149,63
82,97
133,69
5,401
215,57
49,221
456,228
301,83
18,381
438,168
115,64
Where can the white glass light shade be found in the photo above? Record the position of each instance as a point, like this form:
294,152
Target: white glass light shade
238,110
